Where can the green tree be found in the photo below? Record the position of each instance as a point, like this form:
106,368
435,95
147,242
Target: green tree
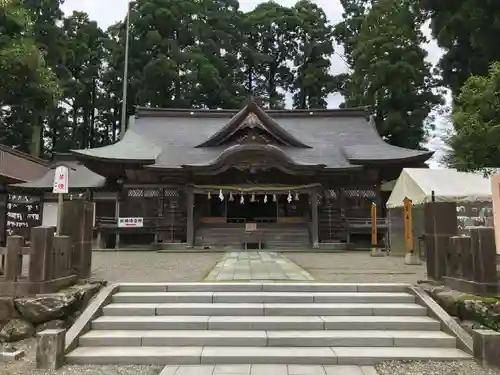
475,142
468,32
314,38
28,87
390,74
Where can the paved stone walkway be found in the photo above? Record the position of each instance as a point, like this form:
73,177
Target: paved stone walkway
257,266
267,370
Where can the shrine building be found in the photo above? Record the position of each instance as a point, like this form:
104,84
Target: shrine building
244,179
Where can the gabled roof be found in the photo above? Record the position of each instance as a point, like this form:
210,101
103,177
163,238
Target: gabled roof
80,177
180,138
252,116
16,166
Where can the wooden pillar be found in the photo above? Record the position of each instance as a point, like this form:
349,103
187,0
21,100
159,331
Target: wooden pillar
117,216
190,217
314,214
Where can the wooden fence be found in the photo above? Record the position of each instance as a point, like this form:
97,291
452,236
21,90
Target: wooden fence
50,264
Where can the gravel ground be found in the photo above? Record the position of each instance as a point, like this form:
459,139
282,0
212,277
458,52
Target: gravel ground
26,366
138,266
357,267
434,368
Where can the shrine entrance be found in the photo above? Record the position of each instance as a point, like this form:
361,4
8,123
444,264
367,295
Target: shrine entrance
258,208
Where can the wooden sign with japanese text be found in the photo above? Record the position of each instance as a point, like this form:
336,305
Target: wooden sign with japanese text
61,177
408,225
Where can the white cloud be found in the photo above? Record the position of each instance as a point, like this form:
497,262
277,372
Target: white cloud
111,11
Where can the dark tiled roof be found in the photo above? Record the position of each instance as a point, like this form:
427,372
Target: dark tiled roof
168,138
18,166
80,177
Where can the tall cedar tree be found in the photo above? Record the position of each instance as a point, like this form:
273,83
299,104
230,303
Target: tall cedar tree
389,71
28,88
468,32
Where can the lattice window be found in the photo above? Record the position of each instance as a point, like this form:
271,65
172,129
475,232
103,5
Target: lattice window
331,194
135,193
360,193
171,192
149,193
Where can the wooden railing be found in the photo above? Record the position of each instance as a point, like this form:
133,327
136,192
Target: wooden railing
49,262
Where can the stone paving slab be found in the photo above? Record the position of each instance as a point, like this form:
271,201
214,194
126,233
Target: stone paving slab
257,265
267,370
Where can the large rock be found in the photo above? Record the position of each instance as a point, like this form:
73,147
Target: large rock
85,292
7,309
15,330
53,324
44,308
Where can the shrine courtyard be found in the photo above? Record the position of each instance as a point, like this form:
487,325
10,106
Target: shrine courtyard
140,266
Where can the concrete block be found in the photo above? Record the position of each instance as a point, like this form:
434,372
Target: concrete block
232,369
343,370
417,323
400,309
135,356
214,287
261,297
267,355
412,259
150,322
268,370
204,338
487,347
418,339
163,297
142,287
317,309
50,349
195,370
363,297
382,288
218,309
309,287
329,338
306,370
111,338
130,309
265,323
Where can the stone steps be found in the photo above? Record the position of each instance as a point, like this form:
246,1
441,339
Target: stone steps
295,323
259,338
276,309
180,355
261,297
263,323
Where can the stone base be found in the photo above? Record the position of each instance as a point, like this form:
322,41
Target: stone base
412,259
11,356
377,252
472,287
487,347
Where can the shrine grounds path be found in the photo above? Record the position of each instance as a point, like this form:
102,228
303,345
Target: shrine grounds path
138,266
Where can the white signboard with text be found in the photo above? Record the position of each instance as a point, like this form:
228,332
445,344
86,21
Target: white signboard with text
61,177
130,222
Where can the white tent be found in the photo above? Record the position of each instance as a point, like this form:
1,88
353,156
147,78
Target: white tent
448,185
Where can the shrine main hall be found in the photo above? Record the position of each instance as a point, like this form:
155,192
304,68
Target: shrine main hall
250,178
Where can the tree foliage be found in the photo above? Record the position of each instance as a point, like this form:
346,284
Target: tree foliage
475,143
468,32
383,44
204,54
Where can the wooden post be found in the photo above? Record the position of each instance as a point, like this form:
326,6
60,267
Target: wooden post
376,251
411,258
190,217
41,253
117,216
60,202
14,258
314,213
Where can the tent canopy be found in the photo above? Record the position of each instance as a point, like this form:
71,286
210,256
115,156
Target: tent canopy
448,185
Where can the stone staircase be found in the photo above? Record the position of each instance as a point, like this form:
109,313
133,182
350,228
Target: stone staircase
263,323
274,237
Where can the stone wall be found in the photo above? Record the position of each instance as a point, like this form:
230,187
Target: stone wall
21,318
473,312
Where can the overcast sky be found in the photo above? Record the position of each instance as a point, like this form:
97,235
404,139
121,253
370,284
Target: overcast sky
107,12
